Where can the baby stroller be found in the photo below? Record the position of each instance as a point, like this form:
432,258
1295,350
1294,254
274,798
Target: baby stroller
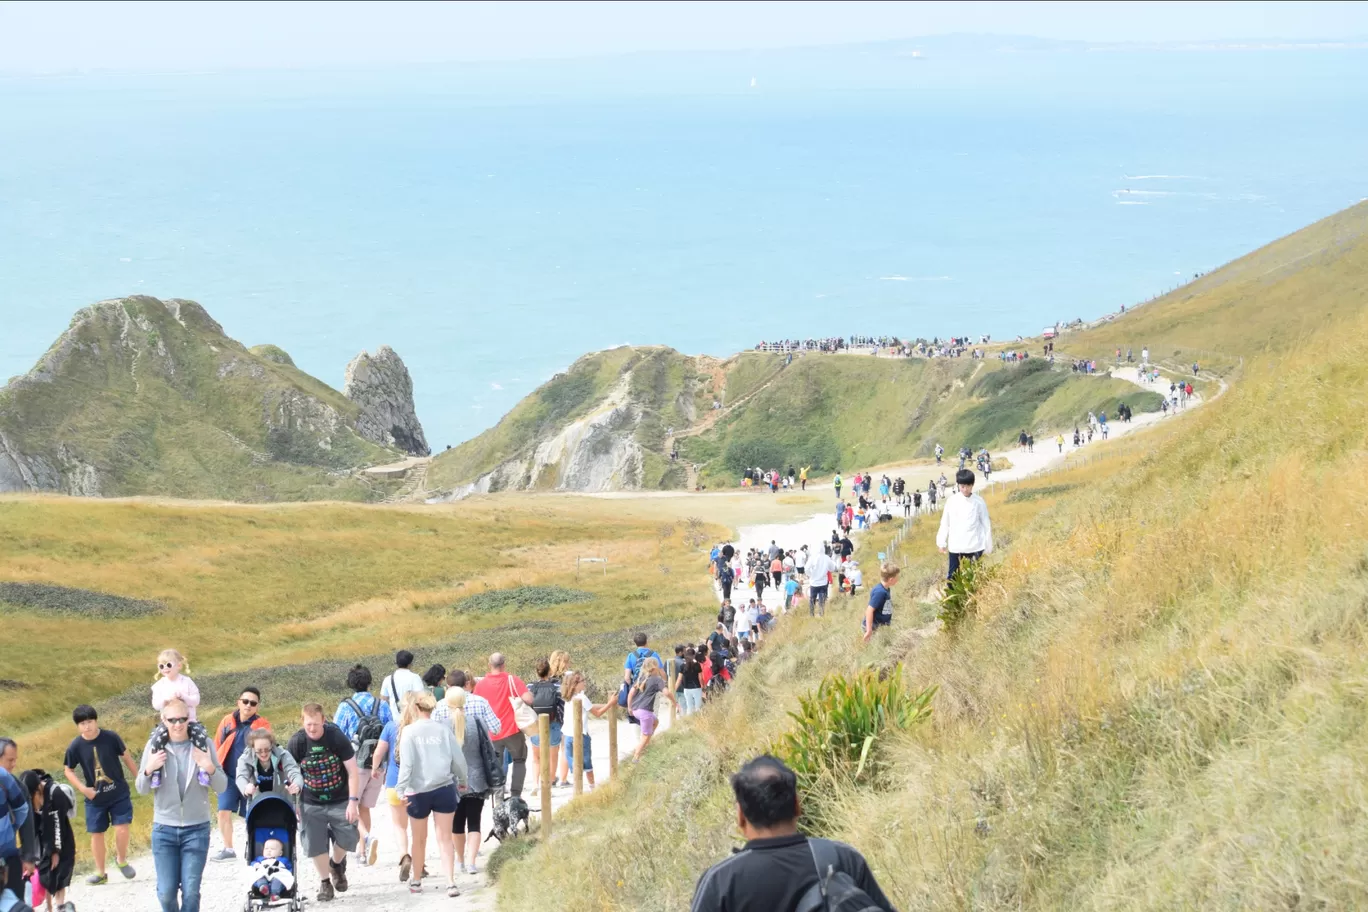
272,817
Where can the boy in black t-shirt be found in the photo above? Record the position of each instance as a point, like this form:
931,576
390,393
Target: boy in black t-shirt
91,766
880,610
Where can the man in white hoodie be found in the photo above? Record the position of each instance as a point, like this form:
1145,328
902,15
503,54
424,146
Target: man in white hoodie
965,532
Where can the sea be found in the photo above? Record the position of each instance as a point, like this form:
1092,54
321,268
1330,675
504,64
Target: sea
492,222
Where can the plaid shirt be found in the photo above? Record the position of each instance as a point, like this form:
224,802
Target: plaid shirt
477,707
346,719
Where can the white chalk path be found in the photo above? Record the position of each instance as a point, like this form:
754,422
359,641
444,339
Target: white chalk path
373,888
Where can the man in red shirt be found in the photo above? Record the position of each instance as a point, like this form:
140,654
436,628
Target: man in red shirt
499,687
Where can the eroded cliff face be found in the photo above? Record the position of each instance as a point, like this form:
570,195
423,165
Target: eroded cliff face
381,386
598,452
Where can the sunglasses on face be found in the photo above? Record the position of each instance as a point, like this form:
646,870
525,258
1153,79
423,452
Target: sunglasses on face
177,720
245,702
165,665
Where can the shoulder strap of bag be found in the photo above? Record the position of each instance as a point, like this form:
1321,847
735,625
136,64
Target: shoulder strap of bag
824,860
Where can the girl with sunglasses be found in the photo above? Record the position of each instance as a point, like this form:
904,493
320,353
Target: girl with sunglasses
173,684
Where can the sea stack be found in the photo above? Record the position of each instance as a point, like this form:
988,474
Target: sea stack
381,386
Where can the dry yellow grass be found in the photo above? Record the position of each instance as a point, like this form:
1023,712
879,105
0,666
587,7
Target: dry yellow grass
1160,704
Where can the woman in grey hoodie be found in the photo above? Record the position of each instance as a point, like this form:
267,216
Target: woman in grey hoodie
266,767
431,768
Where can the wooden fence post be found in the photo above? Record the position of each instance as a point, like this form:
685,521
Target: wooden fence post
612,736
577,734
544,752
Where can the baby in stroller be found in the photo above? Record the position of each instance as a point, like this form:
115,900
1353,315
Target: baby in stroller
271,835
272,876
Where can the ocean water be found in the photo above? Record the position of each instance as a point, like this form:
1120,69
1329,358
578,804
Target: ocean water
493,223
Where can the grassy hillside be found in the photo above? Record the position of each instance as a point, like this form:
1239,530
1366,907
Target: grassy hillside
827,411
1271,300
850,412
1157,700
142,396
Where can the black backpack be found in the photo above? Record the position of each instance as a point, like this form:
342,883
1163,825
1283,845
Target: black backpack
835,890
547,701
369,728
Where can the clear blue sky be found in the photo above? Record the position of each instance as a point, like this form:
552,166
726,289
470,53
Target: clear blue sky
56,37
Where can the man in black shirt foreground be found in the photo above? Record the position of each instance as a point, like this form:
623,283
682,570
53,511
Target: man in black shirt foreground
777,868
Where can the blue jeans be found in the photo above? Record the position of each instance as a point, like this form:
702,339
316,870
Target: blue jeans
179,854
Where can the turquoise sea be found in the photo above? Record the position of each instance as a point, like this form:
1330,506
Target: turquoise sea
494,222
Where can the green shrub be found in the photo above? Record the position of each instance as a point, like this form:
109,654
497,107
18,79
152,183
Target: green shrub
62,600
836,730
522,597
960,593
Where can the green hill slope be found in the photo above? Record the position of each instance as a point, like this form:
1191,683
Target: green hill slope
605,424
141,396
1157,700
854,411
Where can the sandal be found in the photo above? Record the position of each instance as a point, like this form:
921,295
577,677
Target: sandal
415,886
452,891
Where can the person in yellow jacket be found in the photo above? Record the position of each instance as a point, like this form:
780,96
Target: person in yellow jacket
802,476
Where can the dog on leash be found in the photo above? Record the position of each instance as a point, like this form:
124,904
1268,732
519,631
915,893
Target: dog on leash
508,814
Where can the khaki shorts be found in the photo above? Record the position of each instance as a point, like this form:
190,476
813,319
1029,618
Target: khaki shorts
321,823
370,789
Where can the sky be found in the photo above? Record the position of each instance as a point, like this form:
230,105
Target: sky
56,37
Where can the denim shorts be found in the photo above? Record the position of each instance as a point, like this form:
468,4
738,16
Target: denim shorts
556,734
98,819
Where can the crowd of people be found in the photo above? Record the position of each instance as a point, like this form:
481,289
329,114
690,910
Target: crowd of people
432,747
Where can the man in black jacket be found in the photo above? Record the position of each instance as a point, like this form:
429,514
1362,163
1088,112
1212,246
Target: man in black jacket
776,867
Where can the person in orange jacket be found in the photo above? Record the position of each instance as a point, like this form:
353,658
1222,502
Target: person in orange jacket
230,740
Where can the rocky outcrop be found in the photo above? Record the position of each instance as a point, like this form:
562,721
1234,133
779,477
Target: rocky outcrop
380,385
143,396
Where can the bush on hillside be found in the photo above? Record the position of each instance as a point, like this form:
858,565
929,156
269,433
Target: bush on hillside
63,600
961,594
994,382
833,742
779,451
522,597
